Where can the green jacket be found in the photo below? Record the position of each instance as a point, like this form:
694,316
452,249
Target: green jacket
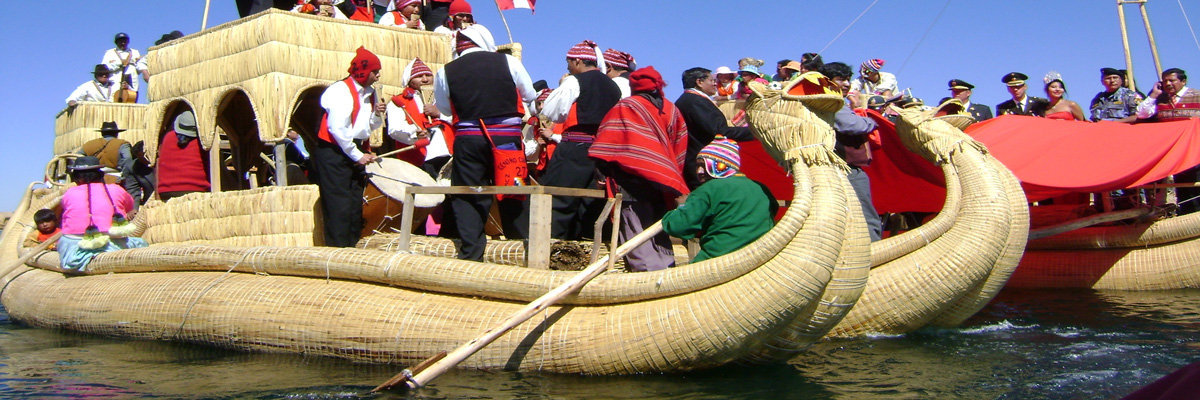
728,213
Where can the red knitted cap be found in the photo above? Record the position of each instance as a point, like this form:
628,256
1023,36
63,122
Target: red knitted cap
363,64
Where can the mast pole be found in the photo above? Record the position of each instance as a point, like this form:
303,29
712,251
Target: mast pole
204,22
1129,81
1150,34
502,18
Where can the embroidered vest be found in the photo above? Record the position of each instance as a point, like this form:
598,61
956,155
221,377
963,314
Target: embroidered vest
1187,107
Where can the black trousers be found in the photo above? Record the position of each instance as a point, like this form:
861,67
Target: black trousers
571,167
473,167
341,183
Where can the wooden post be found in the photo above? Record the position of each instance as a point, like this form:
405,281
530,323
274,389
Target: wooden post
1150,35
281,167
537,254
406,221
1129,81
598,229
616,227
216,168
204,22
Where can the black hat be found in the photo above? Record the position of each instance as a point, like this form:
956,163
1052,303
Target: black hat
120,36
1112,71
167,37
1014,79
101,69
960,85
85,163
109,127
540,85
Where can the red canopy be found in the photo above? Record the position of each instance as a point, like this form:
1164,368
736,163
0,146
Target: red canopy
900,180
1056,157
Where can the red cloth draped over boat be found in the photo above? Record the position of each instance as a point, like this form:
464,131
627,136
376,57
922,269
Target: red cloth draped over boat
1056,157
900,179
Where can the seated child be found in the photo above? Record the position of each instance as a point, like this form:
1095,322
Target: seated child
47,226
727,210
93,217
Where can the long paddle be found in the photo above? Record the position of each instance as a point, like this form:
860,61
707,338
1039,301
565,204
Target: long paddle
427,370
36,250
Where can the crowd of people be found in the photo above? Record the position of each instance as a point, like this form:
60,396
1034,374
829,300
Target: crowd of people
607,125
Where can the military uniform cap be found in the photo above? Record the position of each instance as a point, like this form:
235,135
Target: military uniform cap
959,84
1014,79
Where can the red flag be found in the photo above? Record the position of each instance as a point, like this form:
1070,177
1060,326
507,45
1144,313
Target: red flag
511,4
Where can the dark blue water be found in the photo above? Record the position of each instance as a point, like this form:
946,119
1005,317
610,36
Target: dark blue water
1025,345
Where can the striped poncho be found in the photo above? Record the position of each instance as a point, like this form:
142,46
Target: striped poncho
644,140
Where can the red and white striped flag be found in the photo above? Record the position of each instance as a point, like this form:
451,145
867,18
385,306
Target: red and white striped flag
511,4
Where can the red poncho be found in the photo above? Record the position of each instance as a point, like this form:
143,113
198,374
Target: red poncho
644,141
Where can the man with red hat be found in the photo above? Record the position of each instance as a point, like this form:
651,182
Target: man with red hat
413,123
351,113
459,17
405,15
487,93
619,64
579,103
640,145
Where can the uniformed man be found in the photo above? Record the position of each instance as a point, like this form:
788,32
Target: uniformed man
1116,102
961,90
1020,104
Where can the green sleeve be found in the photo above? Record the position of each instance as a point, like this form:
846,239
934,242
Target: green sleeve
687,220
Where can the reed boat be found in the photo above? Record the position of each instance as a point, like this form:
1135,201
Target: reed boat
1082,243
242,267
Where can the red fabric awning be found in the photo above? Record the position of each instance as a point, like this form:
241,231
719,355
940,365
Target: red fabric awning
900,180
1056,157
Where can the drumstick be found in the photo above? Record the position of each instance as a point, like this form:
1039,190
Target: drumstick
394,152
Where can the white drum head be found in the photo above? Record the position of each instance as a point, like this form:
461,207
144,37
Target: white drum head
393,177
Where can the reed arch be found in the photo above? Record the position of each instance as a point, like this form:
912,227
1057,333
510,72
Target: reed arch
241,164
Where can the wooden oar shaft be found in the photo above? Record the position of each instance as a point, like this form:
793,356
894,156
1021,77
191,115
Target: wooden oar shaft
21,261
423,377
394,152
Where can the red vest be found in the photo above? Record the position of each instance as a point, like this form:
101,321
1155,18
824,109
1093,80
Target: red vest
181,170
365,14
409,106
323,132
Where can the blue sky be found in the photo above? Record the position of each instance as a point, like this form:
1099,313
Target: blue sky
925,43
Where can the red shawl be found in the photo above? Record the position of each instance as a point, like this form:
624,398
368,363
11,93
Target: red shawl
644,141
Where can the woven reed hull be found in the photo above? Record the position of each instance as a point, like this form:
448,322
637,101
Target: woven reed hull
948,269
1157,256
679,319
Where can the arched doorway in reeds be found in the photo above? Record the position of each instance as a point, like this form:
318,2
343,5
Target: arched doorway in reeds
305,120
167,124
242,163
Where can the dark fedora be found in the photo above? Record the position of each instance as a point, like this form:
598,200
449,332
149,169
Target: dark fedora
109,127
101,69
85,163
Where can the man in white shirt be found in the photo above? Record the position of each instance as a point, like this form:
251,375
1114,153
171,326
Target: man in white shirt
98,89
872,81
1171,99
125,65
337,165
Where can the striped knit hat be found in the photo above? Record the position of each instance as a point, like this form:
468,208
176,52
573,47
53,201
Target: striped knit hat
620,59
415,68
587,50
544,94
401,4
721,158
873,64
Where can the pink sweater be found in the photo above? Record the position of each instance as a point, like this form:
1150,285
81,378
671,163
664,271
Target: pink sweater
75,207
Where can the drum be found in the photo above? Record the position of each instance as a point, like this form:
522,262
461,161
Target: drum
384,195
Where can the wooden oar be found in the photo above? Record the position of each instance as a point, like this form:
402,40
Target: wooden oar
420,375
36,250
394,152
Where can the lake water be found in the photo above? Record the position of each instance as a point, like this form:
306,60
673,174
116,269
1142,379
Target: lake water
1025,345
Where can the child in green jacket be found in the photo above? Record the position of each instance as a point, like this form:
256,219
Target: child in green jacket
728,210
